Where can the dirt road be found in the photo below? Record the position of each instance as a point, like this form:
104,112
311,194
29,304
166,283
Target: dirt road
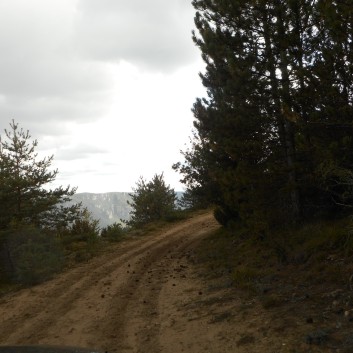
127,300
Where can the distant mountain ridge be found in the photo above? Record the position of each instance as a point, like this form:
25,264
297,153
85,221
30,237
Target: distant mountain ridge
107,207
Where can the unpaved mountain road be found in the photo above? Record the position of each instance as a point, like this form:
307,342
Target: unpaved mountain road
122,301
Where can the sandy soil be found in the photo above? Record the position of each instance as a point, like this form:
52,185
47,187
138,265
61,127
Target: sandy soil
131,299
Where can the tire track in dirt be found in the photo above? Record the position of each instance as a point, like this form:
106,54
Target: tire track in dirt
137,314
136,323
30,303
147,332
64,292
109,303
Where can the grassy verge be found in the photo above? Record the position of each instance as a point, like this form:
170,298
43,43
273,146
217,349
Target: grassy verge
300,280
321,251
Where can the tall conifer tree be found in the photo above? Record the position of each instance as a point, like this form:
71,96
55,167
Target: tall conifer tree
277,121
23,177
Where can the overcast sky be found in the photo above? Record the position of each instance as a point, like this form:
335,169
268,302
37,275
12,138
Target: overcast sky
107,86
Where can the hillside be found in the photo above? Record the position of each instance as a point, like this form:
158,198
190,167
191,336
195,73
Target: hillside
107,207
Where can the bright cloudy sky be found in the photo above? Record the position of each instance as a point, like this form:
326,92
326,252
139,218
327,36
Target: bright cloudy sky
107,86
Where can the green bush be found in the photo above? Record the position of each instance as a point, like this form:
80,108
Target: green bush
113,232
151,201
225,216
30,256
176,215
86,228
82,240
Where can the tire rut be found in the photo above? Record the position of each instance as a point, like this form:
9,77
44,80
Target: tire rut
40,315
108,303
136,324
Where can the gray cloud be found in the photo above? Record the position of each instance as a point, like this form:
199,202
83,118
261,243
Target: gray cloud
59,79
53,54
154,34
49,115
78,152
43,81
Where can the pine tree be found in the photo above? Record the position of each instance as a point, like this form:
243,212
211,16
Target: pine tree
23,176
201,190
151,201
240,120
277,121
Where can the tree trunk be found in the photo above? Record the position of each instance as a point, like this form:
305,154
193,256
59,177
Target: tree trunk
281,98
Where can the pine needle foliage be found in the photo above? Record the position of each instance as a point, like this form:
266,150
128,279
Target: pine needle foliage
23,177
275,132
151,201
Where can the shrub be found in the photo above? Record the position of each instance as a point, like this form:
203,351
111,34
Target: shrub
30,256
151,201
224,215
113,232
82,241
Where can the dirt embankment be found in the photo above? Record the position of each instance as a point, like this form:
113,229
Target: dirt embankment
132,299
